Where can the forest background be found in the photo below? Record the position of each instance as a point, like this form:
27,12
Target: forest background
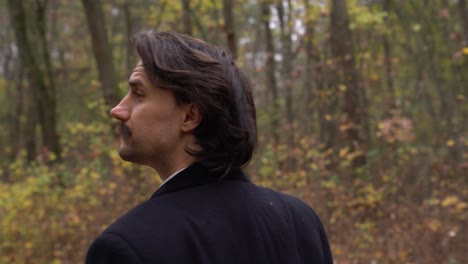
361,113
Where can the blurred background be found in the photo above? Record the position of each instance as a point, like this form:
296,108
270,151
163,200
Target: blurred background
361,105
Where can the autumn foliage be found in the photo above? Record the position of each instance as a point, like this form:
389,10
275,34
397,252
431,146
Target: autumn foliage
406,202
369,129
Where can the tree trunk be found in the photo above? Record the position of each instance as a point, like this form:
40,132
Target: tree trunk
130,59
327,103
464,16
30,28
286,48
311,57
15,133
354,99
215,28
47,106
187,20
270,72
229,27
30,123
102,51
388,59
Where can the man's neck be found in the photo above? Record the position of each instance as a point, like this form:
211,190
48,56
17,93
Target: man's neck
166,171
172,176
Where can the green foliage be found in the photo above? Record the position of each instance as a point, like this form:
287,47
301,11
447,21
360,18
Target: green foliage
409,199
405,192
363,17
49,214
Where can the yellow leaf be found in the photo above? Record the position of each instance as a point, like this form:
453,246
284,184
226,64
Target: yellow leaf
27,203
52,156
465,50
302,174
416,27
112,185
342,87
95,176
450,143
338,252
328,117
313,166
459,207
8,149
343,152
95,83
449,200
434,224
346,126
28,245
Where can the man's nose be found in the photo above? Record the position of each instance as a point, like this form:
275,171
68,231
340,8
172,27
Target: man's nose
121,111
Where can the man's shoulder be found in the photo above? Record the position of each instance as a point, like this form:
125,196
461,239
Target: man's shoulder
150,227
150,214
152,223
287,199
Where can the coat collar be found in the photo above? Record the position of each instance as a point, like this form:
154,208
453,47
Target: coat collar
195,175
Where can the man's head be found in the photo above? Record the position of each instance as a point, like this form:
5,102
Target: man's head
213,114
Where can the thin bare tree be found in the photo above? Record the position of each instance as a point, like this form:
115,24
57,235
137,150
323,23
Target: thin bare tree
354,107
102,50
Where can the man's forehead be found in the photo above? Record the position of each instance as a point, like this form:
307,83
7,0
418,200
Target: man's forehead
139,68
139,71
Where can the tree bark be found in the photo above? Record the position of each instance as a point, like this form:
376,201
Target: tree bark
327,103
130,59
215,28
29,27
16,135
47,106
388,59
309,91
186,18
464,16
287,65
102,51
229,28
356,132
271,82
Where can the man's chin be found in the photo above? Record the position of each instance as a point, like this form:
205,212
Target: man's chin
126,154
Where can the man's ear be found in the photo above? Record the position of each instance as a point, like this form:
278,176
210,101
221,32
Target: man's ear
192,117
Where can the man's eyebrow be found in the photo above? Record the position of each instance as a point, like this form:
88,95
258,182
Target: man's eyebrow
135,83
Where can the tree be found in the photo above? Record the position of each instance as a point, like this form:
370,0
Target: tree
29,27
310,56
271,82
388,59
186,18
102,51
229,28
354,107
129,31
286,24
464,15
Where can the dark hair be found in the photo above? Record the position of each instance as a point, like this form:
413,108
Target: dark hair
203,74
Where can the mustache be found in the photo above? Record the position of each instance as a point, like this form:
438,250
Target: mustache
125,130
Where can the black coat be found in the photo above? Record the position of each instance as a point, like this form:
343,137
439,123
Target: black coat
194,218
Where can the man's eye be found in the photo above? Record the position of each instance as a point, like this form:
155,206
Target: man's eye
137,94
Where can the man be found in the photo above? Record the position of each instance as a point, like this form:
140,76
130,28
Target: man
189,114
